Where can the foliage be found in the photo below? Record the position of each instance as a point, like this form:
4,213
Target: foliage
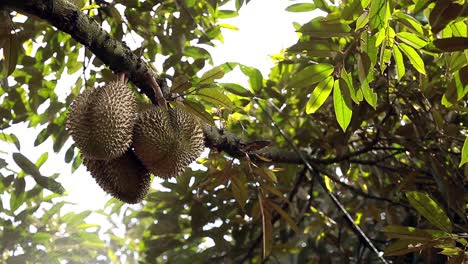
372,98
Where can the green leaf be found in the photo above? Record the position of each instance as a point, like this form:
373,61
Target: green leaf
464,153
223,14
215,96
369,95
26,165
301,7
409,21
42,159
10,138
11,48
362,21
378,14
443,13
452,44
285,216
236,89
430,210
255,77
49,184
310,75
319,95
399,63
347,80
211,75
403,247
239,190
180,84
411,39
343,111
413,57
196,109
89,7
411,233
41,137
317,28
422,4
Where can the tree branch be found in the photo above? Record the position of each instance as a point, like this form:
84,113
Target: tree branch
68,18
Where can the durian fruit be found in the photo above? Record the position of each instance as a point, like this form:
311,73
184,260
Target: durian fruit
125,178
167,141
113,113
78,121
101,121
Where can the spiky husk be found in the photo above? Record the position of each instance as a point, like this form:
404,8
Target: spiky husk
113,113
167,141
79,122
125,177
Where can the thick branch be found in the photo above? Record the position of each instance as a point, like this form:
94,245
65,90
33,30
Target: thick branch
68,18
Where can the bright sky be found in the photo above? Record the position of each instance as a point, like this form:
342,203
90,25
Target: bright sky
264,29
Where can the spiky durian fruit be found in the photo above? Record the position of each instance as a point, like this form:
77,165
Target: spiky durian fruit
101,121
78,121
125,178
167,141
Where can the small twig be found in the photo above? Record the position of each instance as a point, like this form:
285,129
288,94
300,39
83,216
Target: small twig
157,90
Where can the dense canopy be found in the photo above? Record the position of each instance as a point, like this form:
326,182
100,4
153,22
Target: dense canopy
353,148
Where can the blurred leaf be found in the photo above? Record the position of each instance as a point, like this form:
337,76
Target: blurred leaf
413,57
267,227
42,159
319,95
403,247
411,233
442,13
430,210
11,48
317,28
10,138
301,7
399,63
343,111
378,14
26,165
255,77
239,190
285,216
196,109
181,84
236,89
214,96
411,39
310,75
452,44
211,75
49,184
464,153
409,21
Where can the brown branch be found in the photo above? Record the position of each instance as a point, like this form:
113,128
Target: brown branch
66,17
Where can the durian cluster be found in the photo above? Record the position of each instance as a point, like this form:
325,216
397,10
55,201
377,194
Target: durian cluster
121,147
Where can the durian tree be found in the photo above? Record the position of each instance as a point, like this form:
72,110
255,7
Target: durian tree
352,149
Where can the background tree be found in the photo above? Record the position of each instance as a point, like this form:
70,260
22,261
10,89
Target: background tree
354,143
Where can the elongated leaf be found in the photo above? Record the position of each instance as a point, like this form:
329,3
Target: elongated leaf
377,14
215,96
319,95
452,44
343,111
239,190
196,109
267,227
464,154
301,7
42,159
430,210
413,57
403,247
411,39
409,21
369,95
311,75
11,48
399,63
49,184
347,80
236,89
285,216
442,13
181,84
25,164
211,75
318,29
411,233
